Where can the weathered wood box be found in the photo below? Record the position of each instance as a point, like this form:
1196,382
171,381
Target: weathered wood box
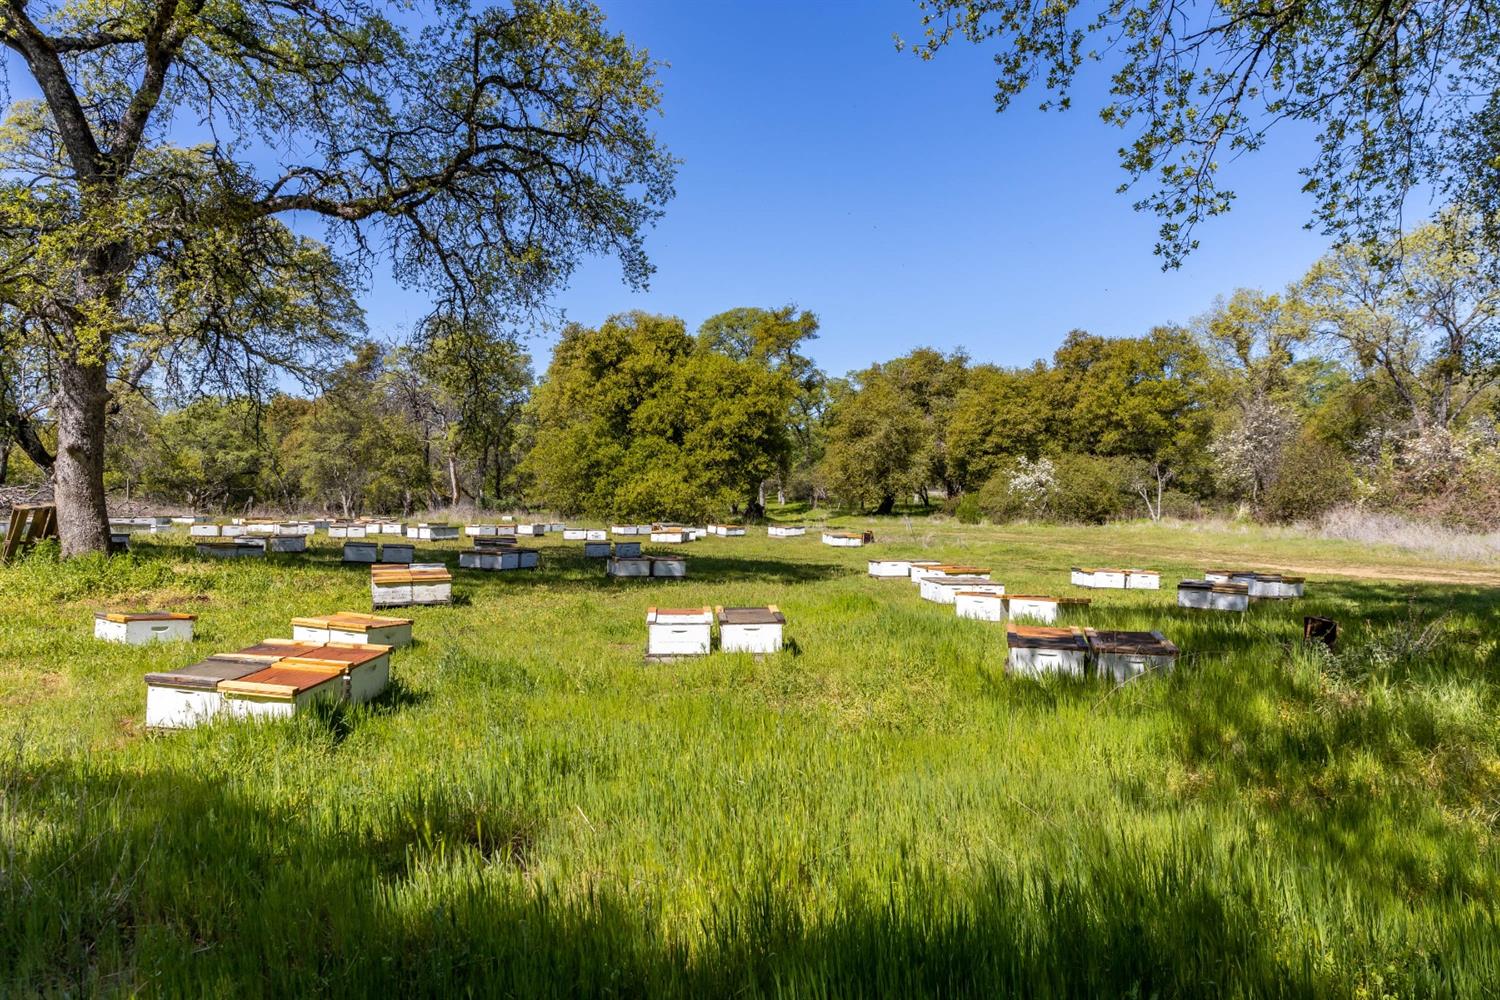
1123,655
890,569
785,531
287,543
397,552
750,630
280,691
1034,650
941,589
847,539
361,550
598,550
627,550
980,605
679,631
1142,579
140,627
670,567
1032,607
189,696
353,627
628,566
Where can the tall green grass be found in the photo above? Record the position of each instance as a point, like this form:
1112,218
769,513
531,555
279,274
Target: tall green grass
533,811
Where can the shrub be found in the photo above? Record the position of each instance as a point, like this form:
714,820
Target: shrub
1312,477
967,509
1088,489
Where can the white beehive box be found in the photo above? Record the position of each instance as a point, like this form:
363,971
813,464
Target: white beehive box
139,628
697,534
279,692
483,559
356,531
732,530
956,569
531,530
671,567
596,535
941,589
921,567
1263,586
397,552
526,558
217,549
679,631
487,530
251,547
203,531
189,696
190,519
338,531
624,530
261,528
627,550
1034,650
575,534
1107,579
365,668
750,630
1142,579
890,569
670,536
432,532
1229,597
596,550
1123,655
353,627
287,543
419,583
361,550
1032,607
1225,575
980,605
553,527
231,530
847,539
1196,594
628,566
785,531
1293,586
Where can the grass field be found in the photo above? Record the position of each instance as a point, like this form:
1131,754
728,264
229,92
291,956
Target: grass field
533,811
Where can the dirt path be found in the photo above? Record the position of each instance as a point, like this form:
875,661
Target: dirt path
1401,574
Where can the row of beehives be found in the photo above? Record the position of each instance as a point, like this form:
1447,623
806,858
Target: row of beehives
340,657
1233,590
672,632
1033,650
257,547
971,590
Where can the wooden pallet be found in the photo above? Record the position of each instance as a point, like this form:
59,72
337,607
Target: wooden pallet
29,524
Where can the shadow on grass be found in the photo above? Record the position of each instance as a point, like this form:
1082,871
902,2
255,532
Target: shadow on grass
183,884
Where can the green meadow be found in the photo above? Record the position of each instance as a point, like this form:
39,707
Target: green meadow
531,810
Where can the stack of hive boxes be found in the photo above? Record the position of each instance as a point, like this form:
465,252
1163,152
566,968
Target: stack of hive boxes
674,632
1119,656
393,585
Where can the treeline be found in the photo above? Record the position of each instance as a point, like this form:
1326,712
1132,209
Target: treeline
1370,381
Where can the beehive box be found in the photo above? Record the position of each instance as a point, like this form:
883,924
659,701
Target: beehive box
941,589
575,534
432,532
957,569
595,535
190,519
785,531
596,550
353,627
1034,650
1142,579
279,691
731,530
361,551
1230,596
1032,607
627,550
1195,594
140,627
231,530
418,583
338,531
670,536
251,548
697,534
487,530
203,531
980,605
525,558
679,631
921,567
482,559
297,528
261,528
397,552
287,543
847,539
356,531
890,569
1226,575
1108,579
220,550
119,541
531,530
1123,655
366,668
553,527
189,696
628,566
498,543
1293,587
268,651
626,530
671,567
750,630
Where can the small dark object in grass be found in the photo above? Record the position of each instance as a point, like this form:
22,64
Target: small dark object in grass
1324,630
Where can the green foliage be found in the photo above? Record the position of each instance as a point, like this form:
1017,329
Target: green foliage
874,456
1313,477
968,510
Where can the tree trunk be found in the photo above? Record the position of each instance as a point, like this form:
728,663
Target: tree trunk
887,504
78,472
4,463
453,479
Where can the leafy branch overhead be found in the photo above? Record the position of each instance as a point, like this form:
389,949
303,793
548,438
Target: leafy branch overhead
1401,96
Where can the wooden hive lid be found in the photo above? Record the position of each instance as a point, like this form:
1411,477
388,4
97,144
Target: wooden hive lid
357,619
1045,637
205,675
960,581
979,593
1230,588
1133,643
278,648
431,576
960,569
145,616
340,656
1143,572
1195,585
1077,602
768,615
280,680
1032,597
703,614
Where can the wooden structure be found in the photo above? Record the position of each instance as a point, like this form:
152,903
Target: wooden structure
29,524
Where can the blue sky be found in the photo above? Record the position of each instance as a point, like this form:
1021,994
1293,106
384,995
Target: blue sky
823,167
